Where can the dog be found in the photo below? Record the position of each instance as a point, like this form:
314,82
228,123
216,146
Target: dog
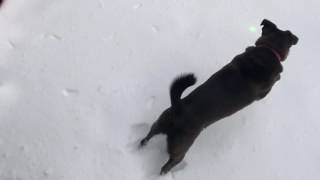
247,78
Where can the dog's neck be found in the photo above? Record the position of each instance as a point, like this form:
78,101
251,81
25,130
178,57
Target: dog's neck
272,50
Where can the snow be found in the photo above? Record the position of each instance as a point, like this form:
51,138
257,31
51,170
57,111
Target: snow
81,82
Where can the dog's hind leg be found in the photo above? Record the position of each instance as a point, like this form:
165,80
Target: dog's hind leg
155,129
160,126
173,161
178,145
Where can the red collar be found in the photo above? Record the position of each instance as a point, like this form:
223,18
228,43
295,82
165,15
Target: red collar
272,50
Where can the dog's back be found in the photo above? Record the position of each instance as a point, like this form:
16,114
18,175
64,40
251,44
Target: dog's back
221,95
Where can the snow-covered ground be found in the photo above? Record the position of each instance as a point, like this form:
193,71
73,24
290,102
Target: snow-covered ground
81,81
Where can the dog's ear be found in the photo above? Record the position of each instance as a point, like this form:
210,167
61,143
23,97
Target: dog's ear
268,26
267,23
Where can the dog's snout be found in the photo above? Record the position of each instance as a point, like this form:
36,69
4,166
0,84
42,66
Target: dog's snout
294,39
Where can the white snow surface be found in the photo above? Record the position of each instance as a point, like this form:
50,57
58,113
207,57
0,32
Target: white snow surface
82,81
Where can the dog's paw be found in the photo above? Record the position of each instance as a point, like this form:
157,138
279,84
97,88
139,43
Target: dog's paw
164,170
142,143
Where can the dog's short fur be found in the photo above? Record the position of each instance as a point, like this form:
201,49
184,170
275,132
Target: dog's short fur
247,78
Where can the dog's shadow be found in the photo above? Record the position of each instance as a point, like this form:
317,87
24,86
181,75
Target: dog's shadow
153,155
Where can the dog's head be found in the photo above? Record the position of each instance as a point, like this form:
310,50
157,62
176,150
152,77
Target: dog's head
279,40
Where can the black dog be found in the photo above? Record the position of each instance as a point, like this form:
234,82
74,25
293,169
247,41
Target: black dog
247,78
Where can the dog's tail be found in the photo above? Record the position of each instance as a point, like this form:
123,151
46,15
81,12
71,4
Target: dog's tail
178,86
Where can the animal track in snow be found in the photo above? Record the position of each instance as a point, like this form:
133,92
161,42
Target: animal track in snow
155,28
68,91
137,6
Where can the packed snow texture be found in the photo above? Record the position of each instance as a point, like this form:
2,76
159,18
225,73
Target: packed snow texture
82,81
